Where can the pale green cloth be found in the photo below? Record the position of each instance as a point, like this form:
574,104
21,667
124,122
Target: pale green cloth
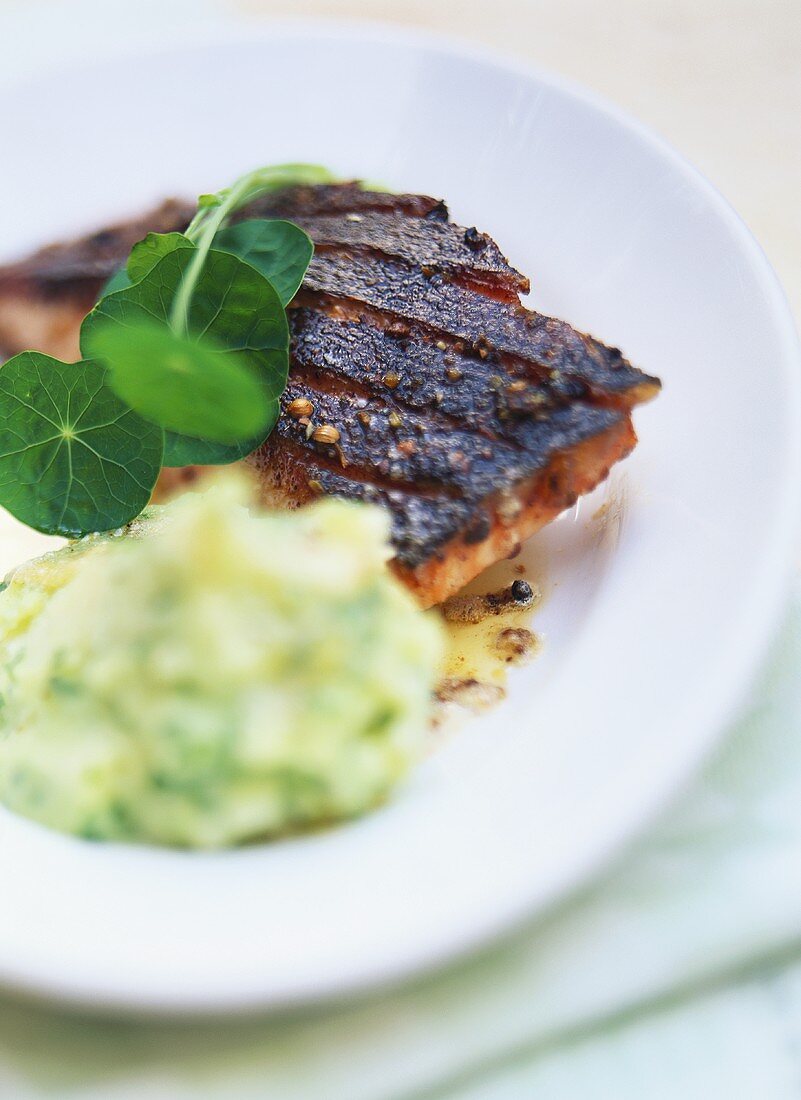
678,976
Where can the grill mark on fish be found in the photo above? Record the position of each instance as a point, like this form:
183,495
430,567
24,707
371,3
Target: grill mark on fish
623,390
425,243
418,519
409,371
348,475
416,449
469,279
487,326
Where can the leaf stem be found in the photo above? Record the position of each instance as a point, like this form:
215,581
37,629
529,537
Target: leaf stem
215,211
204,235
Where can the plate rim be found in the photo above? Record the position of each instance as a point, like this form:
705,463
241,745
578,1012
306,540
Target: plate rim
722,706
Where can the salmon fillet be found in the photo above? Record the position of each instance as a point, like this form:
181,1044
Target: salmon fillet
473,420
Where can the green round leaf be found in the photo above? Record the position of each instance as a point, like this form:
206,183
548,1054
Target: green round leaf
233,306
146,253
183,384
118,281
279,250
184,450
73,457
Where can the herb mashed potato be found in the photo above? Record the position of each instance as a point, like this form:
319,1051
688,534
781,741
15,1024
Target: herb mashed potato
213,675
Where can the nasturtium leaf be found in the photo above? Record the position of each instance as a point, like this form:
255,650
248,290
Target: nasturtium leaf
73,457
233,306
186,450
280,250
146,253
183,384
118,281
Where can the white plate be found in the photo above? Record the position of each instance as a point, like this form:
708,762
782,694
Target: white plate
654,626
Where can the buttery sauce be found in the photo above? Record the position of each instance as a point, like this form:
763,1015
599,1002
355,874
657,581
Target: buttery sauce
483,651
485,634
